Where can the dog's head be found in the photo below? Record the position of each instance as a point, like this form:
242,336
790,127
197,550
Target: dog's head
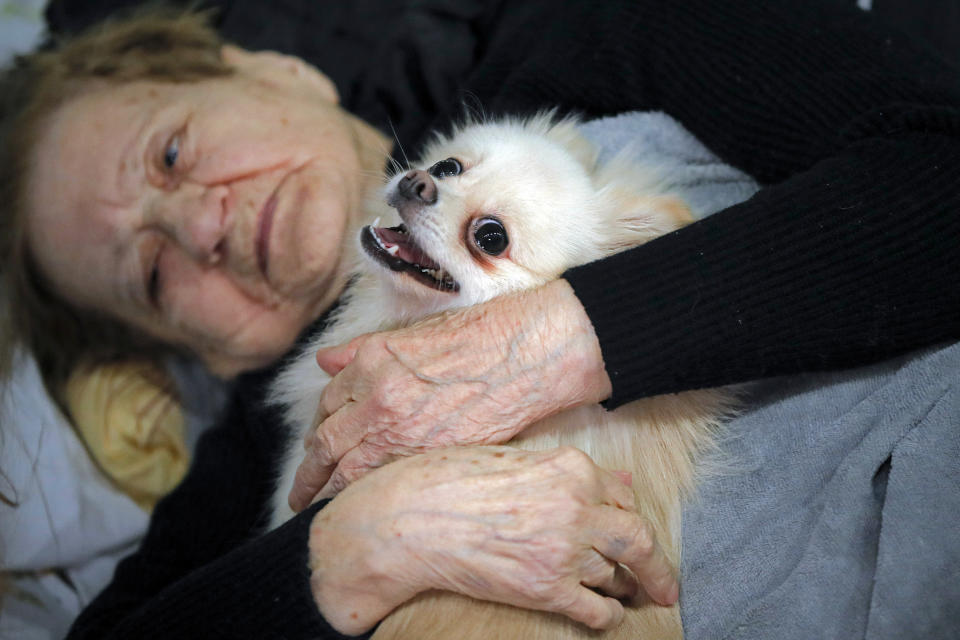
502,206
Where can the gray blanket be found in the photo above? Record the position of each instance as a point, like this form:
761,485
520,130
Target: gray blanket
840,515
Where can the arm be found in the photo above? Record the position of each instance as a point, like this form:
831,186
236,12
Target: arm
436,521
538,530
782,285
848,256
200,571
472,376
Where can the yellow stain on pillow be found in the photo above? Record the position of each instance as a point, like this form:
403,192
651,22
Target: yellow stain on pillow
131,421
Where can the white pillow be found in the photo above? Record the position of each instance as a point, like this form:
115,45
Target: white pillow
68,516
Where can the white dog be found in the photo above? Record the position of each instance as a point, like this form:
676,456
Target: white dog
493,208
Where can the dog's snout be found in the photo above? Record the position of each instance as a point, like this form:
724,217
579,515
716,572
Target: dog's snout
418,186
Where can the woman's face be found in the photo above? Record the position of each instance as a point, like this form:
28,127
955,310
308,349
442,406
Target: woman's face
209,214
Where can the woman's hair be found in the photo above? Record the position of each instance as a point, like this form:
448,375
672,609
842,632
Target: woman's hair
158,45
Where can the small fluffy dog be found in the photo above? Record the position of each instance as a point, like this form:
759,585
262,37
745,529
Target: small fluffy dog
494,208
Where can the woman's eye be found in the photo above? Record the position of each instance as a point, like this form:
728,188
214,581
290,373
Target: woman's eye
446,168
154,279
491,236
153,284
171,153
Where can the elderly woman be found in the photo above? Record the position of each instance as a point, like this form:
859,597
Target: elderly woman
198,197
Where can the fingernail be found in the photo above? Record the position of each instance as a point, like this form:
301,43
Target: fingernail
672,595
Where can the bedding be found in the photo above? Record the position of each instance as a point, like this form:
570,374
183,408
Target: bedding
21,26
129,417
72,523
836,510
843,525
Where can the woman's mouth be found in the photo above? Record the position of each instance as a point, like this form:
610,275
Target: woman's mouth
263,233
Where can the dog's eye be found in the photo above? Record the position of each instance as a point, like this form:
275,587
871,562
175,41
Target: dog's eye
446,168
490,236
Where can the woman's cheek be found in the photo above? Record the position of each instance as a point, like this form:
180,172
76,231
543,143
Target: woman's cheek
209,312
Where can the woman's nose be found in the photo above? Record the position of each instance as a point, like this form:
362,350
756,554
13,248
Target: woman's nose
199,219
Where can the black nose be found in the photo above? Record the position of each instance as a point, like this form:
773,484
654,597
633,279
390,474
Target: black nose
418,186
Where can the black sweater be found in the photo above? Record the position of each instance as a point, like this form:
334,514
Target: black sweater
848,255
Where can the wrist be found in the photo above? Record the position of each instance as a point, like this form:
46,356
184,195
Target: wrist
347,596
352,584
568,330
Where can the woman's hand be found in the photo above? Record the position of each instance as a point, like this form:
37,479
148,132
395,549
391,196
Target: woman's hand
474,376
531,529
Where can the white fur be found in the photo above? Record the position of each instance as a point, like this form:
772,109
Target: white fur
541,179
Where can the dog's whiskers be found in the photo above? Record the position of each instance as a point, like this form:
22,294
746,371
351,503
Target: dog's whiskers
473,111
394,169
399,146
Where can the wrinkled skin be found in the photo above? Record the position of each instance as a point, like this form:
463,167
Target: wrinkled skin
210,215
532,529
450,381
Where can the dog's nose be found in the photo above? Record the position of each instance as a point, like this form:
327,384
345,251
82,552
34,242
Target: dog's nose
418,186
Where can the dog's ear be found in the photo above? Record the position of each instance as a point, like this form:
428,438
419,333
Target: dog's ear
636,219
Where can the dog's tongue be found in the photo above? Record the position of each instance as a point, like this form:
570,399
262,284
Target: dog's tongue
407,249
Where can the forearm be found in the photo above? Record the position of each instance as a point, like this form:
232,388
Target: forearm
202,571
850,262
849,253
259,590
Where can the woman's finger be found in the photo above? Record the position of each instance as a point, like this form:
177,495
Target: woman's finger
611,578
334,359
354,464
337,393
616,493
310,477
328,444
625,537
594,610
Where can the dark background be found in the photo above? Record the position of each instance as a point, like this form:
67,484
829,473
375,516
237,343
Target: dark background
935,23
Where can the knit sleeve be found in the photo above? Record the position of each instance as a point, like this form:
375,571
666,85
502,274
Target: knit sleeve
849,253
852,261
201,571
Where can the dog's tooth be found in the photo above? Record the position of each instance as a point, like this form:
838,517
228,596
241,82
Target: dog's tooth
392,249
376,223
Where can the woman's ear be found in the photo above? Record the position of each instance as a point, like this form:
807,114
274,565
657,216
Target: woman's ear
271,67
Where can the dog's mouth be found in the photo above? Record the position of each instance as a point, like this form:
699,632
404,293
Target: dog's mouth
396,249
